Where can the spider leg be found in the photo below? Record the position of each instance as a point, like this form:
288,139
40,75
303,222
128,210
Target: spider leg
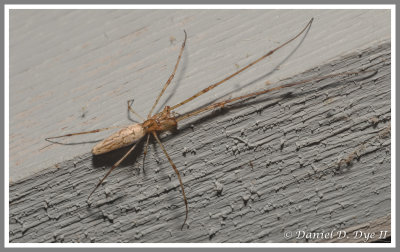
112,168
84,132
242,69
177,173
145,149
133,111
254,94
170,77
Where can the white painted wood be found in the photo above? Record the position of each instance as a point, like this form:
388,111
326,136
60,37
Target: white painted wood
74,70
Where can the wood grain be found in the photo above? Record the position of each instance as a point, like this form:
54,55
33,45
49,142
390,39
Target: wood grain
314,158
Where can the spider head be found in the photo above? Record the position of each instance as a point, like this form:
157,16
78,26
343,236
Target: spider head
160,122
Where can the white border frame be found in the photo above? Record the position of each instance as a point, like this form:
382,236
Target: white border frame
7,8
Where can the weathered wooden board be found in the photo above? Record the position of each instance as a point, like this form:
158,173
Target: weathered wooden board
313,158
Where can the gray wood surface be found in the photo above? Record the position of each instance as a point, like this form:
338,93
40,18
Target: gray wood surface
315,157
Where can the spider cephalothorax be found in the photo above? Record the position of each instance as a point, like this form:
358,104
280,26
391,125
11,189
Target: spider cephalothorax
162,121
